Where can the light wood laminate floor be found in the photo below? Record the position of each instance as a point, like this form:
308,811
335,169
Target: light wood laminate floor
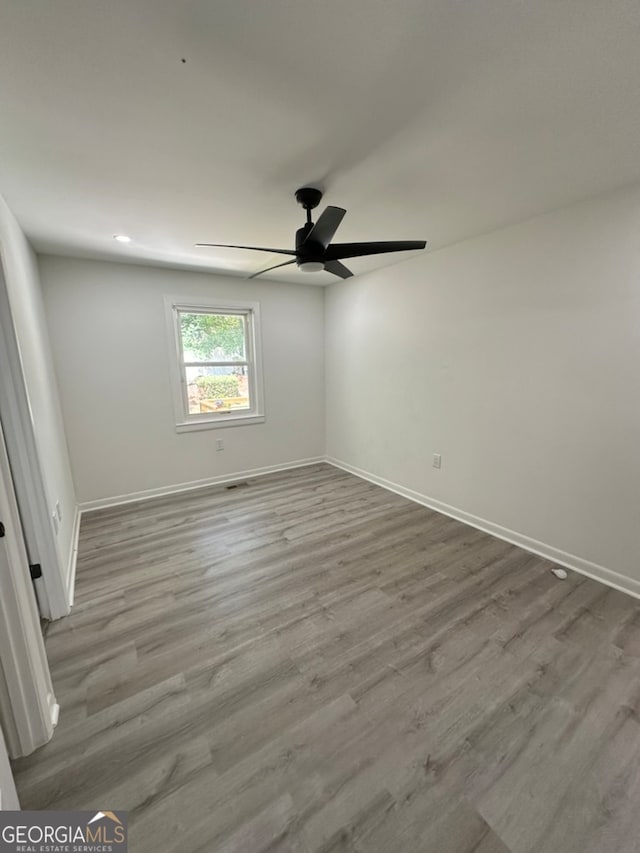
310,663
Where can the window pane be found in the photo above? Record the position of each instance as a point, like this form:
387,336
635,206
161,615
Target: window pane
217,389
212,337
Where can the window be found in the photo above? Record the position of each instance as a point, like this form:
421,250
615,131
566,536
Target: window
216,366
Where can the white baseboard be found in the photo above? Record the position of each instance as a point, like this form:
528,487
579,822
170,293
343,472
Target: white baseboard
562,558
73,557
542,549
148,494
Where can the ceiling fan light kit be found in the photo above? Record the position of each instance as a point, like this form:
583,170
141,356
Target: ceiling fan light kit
314,250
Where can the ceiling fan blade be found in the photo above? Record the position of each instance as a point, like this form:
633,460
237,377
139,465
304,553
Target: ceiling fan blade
357,250
253,248
338,269
268,269
326,226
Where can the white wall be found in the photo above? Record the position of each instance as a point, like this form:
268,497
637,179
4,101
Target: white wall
31,333
8,795
516,356
109,336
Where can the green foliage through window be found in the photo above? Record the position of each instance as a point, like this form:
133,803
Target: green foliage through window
218,387
213,337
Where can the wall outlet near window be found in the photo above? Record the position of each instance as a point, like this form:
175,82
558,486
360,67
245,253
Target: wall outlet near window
437,460
219,444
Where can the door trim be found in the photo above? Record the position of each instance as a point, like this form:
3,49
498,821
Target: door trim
28,707
16,417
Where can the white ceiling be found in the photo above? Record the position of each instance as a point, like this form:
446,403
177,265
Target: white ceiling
426,119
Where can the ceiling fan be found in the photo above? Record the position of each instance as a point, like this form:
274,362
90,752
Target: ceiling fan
314,250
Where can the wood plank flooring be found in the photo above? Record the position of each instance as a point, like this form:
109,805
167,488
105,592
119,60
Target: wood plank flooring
308,663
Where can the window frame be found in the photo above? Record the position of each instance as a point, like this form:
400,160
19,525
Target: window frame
250,311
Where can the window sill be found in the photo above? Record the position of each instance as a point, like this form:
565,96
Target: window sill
219,422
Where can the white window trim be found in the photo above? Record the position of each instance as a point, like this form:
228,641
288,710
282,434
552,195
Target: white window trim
184,421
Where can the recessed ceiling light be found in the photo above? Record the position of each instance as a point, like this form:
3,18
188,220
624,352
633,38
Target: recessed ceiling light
122,238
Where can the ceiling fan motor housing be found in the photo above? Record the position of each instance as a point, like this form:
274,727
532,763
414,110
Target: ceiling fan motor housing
310,250
309,256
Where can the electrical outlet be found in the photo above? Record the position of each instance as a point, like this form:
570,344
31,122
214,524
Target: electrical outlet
437,460
56,525
58,511
219,444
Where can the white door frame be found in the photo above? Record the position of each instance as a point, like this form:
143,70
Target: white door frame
8,794
17,423
28,709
